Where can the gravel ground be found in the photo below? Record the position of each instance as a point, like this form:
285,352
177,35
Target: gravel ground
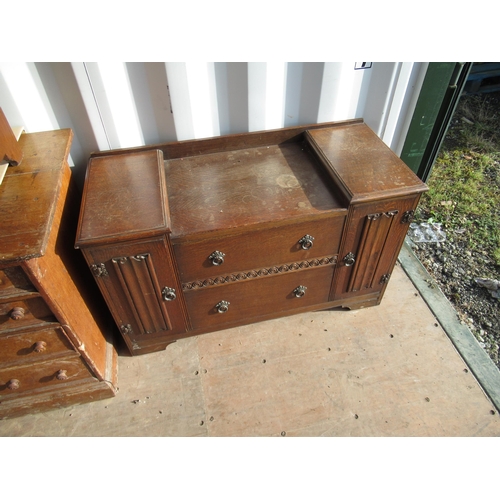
455,267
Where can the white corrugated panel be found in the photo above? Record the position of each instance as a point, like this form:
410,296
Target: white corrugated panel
119,105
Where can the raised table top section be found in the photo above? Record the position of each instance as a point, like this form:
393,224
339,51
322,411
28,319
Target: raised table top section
125,198
364,167
28,195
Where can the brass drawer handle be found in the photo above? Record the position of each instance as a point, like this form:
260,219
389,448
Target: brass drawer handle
168,294
40,346
306,242
217,258
300,291
17,313
13,384
222,306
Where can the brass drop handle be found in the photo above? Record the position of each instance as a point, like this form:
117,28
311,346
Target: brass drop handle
349,259
40,346
169,294
17,313
306,242
217,258
300,291
62,375
13,384
222,306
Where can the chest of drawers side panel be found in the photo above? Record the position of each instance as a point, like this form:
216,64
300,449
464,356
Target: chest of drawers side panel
69,292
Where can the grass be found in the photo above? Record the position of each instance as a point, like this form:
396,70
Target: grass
464,185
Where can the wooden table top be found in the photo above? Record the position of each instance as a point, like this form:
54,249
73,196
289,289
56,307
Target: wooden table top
28,195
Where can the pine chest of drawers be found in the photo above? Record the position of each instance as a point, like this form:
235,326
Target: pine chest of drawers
190,237
52,349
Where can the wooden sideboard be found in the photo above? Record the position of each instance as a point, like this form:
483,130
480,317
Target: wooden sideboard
53,352
189,237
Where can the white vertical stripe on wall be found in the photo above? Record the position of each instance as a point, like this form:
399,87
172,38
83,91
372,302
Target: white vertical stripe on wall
258,100
192,92
117,105
275,95
141,93
410,101
160,127
200,81
232,97
81,102
381,85
266,95
337,80
303,91
394,111
180,99
28,97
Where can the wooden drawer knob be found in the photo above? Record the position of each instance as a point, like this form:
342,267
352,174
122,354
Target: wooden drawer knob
17,313
13,384
40,346
62,375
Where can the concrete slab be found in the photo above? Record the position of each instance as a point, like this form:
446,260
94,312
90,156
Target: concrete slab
389,370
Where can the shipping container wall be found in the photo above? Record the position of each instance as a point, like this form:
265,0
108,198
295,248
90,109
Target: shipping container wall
117,105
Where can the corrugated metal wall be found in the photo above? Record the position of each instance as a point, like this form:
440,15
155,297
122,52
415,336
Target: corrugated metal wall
115,105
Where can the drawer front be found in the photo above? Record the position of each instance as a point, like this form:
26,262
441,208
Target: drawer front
33,346
258,297
14,282
19,379
255,249
27,313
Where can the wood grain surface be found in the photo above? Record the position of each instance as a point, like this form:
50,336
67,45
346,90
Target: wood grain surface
240,188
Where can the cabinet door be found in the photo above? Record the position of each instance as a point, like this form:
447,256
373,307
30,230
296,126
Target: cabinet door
374,235
142,290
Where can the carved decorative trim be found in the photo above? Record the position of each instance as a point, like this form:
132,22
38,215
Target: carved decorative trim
124,260
126,329
391,213
99,270
259,273
384,279
407,217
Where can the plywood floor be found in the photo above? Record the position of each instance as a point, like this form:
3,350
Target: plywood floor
384,371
